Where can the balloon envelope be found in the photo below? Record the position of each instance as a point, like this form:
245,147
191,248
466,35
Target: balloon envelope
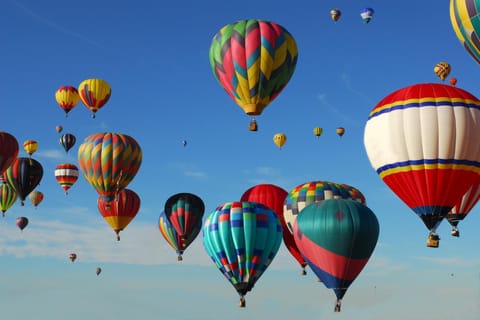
421,140
253,60
67,98
66,175
336,238
22,222
109,162
94,94
23,176
242,238
464,15
8,150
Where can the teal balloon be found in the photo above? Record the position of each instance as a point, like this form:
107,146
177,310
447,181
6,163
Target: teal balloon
336,239
242,238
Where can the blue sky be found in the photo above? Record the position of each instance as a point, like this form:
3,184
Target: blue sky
154,54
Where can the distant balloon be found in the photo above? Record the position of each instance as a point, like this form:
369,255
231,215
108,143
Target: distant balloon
23,176
98,270
453,81
94,94
119,212
442,70
72,256
184,143
8,196
67,98
30,146
35,197
335,14
242,238
67,141
66,175
279,139
340,131
109,162
58,129
317,131
367,14
336,238
8,150
22,223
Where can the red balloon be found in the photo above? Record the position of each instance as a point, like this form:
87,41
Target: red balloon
121,210
22,222
8,150
273,197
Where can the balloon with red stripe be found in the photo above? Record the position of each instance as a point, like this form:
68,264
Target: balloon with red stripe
337,238
66,175
422,140
463,207
120,211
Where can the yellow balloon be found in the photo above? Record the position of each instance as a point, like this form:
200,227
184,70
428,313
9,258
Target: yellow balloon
30,146
94,94
317,131
279,139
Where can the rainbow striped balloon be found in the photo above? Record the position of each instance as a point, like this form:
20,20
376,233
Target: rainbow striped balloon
109,162
66,175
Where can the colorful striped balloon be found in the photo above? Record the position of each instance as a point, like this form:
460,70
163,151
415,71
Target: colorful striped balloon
242,238
66,175
120,211
173,238
67,98
185,212
316,192
23,176
8,196
94,94
336,238
253,60
464,16
422,142
67,141
109,162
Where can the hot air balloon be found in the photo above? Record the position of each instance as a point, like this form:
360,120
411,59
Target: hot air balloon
336,238
8,150
242,238
67,98
23,176
173,238
316,192
453,81
273,197
442,70
59,129
30,146
8,196
184,143
421,140
464,16
35,197
94,94
335,14
317,131
253,60
279,139
340,131
109,162
98,270
185,212
72,256
22,223
367,14
120,211
463,207
66,175
67,141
